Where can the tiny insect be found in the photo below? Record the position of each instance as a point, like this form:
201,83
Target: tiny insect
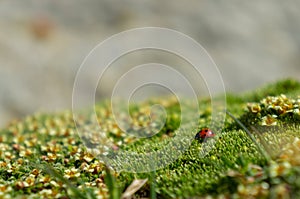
204,133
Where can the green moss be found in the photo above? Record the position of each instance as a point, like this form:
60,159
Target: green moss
43,156
286,86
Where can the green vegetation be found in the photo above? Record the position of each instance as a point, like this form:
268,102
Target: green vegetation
43,156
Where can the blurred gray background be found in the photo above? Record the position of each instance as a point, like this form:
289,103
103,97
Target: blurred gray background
43,42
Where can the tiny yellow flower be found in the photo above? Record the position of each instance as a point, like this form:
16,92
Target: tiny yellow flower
254,107
269,120
88,157
72,173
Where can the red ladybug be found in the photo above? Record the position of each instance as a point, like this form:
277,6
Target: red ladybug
203,133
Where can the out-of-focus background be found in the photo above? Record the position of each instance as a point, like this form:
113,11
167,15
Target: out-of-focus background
43,43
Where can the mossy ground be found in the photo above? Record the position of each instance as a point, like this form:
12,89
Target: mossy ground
43,156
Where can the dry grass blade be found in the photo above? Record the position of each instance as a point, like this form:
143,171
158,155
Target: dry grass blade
133,187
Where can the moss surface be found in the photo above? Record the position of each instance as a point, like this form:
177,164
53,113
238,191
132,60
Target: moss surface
43,156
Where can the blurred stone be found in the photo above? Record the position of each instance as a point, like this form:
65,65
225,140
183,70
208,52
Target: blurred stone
43,43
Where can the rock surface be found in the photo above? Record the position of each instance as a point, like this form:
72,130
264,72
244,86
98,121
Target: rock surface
43,43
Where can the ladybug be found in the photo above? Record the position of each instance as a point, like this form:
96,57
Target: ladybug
203,133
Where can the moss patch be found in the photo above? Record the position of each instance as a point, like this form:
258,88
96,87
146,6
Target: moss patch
43,156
